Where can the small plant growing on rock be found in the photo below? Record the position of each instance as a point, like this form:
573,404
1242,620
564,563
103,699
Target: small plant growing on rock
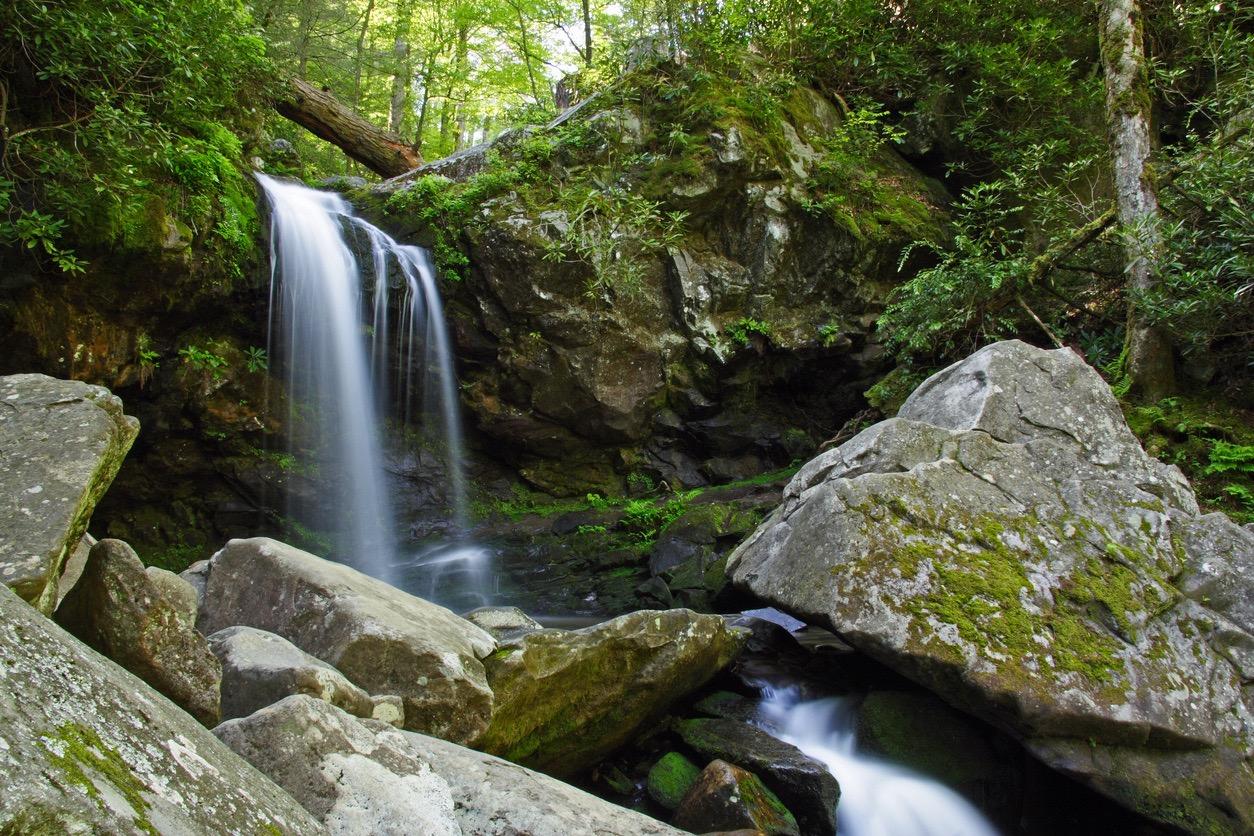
256,359
147,357
743,330
210,365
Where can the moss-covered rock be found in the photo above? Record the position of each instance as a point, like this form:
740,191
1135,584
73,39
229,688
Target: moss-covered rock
805,784
565,699
739,252
86,746
725,797
670,779
1006,542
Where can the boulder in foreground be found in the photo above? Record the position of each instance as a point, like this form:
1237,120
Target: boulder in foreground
61,444
1006,542
362,776
86,747
383,640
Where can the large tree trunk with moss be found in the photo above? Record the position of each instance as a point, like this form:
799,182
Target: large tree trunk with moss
1150,363
322,114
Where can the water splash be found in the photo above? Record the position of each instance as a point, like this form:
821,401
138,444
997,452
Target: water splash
353,361
876,798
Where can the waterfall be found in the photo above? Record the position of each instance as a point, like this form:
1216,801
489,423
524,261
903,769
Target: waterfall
877,798
353,361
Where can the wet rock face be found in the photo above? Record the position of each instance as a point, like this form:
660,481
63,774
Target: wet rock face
566,699
726,797
1006,542
86,746
703,374
61,443
145,621
804,784
383,640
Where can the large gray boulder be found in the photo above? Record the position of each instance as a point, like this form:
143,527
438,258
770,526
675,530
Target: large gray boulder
260,668
355,779
1006,542
567,698
61,444
361,776
384,640
87,747
145,621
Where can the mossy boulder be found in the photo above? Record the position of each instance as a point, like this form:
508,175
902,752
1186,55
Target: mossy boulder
670,779
86,746
566,699
725,798
1006,542
61,444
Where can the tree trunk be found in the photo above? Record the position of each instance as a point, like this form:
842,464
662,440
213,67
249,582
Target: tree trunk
587,34
324,116
1150,364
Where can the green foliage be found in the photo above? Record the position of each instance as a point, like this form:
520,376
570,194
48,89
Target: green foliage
742,330
965,300
114,118
617,233
210,365
1226,457
1212,442
256,359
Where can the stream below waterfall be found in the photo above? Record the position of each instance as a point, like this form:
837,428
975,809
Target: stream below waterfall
357,322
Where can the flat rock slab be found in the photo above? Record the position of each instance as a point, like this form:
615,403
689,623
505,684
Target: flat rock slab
87,747
61,444
1007,543
567,698
385,641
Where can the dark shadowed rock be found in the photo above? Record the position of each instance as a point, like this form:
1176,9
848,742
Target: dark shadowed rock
726,797
87,747
61,444
384,640
1006,542
803,783
145,621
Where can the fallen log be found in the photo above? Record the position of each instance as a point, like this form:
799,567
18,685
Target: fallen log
323,115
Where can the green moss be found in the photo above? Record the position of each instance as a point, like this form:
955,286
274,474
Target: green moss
79,758
980,585
670,779
769,813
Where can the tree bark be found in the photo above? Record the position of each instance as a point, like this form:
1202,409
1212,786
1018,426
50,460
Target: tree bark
324,116
1150,363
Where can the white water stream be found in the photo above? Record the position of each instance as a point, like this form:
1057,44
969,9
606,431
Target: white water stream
353,358
877,798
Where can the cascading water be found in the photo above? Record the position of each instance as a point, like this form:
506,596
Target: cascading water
350,366
876,798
